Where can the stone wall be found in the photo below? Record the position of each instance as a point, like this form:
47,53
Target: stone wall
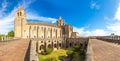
33,54
89,52
6,38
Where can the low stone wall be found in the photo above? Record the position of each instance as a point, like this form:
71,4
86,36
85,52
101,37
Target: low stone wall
9,39
33,54
89,52
6,38
115,39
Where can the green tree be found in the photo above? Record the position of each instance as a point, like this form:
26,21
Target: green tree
70,53
77,48
10,34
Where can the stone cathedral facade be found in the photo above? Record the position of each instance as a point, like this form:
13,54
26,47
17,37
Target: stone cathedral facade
42,34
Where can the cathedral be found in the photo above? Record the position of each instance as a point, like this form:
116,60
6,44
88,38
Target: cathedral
24,29
44,35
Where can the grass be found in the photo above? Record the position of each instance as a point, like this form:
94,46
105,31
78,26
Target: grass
54,56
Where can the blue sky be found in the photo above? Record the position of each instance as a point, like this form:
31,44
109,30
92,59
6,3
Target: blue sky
88,17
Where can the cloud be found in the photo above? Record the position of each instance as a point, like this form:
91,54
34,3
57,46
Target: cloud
7,23
4,5
79,30
114,27
96,32
34,16
94,5
117,14
7,20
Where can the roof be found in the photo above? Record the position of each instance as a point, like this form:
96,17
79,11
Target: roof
40,23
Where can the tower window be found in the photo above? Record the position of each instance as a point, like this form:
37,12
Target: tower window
20,13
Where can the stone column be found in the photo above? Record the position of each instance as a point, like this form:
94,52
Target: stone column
44,32
51,33
2,38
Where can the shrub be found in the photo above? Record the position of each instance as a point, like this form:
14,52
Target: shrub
50,59
61,58
49,50
82,54
77,48
70,53
43,53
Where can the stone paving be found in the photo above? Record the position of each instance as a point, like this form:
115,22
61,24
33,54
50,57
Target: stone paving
13,50
105,51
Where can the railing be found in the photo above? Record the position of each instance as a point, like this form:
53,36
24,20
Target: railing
112,39
3,39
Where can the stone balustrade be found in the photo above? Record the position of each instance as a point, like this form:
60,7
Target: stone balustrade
113,39
6,38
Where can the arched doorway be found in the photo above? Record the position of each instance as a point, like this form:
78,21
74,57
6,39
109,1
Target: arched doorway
59,44
55,45
70,44
49,46
41,47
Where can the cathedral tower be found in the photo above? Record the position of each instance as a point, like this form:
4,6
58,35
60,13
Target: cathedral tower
19,22
60,22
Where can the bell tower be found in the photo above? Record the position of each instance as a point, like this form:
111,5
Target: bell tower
19,22
60,22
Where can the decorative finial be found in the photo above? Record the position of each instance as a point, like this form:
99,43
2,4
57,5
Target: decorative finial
60,18
20,7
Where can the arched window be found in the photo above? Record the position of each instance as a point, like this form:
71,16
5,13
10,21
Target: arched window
55,45
49,46
70,44
20,13
17,14
59,44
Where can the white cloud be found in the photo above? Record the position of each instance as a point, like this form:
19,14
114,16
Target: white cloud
117,14
114,27
4,5
79,30
96,32
7,22
94,5
33,16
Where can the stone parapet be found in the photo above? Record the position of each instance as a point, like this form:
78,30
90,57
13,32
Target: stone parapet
89,53
33,54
